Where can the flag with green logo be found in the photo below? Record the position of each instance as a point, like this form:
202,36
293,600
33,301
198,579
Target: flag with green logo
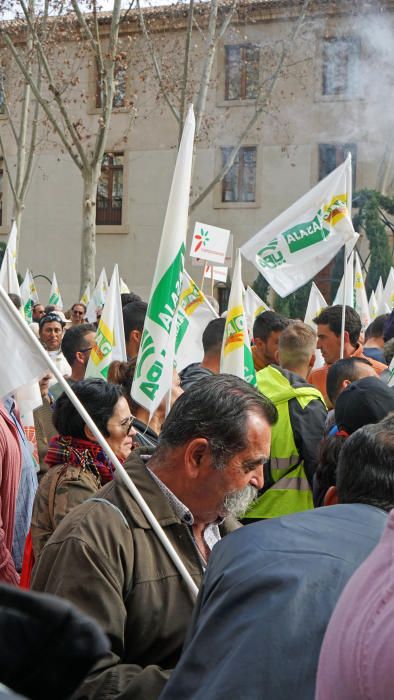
110,341
236,355
153,375
360,295
194,314
26,295
294,247
55,297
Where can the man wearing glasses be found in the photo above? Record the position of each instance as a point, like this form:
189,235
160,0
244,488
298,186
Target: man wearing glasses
78,313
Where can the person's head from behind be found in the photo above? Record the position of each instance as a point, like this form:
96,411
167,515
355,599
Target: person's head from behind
297,345
267,329
365,401
374,332
77,344
108,409
128,298
133,320
325,475
388,351
329,323
214,443
365,472
344,372
212,337
16,300
77,313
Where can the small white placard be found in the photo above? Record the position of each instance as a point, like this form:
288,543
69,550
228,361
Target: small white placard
209,243
219,273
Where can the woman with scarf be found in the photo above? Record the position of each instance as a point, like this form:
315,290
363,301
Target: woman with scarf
78,467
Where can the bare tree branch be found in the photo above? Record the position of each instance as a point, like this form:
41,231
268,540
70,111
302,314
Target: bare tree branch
172,107
261,102
186,68
7,168
207,66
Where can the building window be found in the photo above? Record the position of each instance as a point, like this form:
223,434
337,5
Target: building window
333,154
239,185
110,191
341,67
120,76
242,72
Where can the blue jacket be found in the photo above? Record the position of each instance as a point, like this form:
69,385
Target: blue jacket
266,599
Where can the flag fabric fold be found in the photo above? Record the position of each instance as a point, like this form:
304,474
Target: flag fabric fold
236,357
151,379
294,247
110,341
55,297
360,295
8,273
194,314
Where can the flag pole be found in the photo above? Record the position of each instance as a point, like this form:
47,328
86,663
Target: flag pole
120,470
203,275
349,204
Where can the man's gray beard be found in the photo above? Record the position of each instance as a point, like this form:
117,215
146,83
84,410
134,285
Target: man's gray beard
237,503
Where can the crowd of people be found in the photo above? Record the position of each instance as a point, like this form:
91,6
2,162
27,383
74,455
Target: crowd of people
276,498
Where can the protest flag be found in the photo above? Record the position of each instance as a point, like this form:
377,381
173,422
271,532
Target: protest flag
123,287
8,273
236,357
55,297
110,341
360,295
29,357
388,293
294,247
26,297
97,300
152,380
194,314
85,298
379,294
373,306
349,285
316,304
253,306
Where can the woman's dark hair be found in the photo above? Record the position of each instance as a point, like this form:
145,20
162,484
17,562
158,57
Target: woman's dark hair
98,397
122,373
326,473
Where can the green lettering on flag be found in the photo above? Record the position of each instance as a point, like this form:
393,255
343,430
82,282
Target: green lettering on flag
164,301
249,371
304,235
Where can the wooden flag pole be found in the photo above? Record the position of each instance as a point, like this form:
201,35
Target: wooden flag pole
203,275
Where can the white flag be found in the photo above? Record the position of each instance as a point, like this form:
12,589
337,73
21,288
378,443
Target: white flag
360,295
316,304
379,293
110,340
55,297
253,306
98,297
236,357
373,306
388,293
151,379
349,285
123,287
26,297
294,247
194,314
22,363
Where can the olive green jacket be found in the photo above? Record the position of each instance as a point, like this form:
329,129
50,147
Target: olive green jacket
105,558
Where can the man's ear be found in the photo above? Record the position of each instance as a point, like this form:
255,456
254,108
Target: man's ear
346,337
88,433
277,358
331,497
312,360
195,456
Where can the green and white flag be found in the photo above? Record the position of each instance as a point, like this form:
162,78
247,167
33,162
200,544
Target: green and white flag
8,273
373,306
254,306
236,357
98,297
360,295
294,247
153,375
26,296
55,297
194,314
110,341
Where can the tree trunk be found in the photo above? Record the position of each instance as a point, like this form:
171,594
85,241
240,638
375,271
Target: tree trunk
88,247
